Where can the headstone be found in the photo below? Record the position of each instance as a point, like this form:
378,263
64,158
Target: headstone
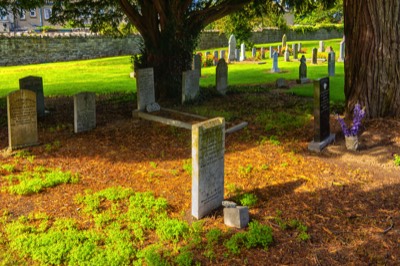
232,48
215,58
287,55
34,84
208,148
84,111
271,52
299,47
281,84
242,52
197,63
254,52
222,76
190,85
331,64
22,119
236,216
237,54
275,62
262,53
341,51
222,53
303,71
322,136
284,40
145,88
295,51
279,50
314,56
321,47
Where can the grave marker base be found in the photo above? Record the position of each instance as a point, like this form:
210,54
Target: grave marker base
319,146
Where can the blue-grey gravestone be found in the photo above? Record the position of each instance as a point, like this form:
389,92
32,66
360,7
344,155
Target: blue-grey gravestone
215,59
275,67
237,54
331,64
254,52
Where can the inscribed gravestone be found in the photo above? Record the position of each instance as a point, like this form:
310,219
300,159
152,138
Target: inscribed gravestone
190,85
197,63
232,48
222,76
84,111
275,62
284,40
22,119
331,64
34,84
314,56
242,52
322,136
145,87
208,148
341,51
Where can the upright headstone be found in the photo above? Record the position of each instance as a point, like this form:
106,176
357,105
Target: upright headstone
275,67
322,136
254,52
242,52
222,76
279,50
271,52
262,53
197,63
341,51
84,111
237,54
34,84
215,58
295,51
331,64
208,148
284,40
145,88
22,119
190,85
314,56
303,71
287,55
232,49
321,47
222,54
299,47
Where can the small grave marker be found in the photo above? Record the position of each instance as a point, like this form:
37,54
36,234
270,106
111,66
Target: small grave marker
222,76
22,119
208,148
331,64
275,63
34,84
84,111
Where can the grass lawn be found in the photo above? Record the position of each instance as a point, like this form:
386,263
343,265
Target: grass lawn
108,75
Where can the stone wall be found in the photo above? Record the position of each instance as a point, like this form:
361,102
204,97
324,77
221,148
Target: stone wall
23,50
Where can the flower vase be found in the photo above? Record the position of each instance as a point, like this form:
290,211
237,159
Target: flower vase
351,142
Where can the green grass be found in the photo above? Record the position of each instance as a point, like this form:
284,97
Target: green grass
108,75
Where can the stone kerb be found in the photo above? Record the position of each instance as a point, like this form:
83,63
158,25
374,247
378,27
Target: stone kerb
208,148
84,111
22,119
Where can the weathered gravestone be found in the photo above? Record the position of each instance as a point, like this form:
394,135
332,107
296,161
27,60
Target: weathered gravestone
281,83
145,88
314,56
299,47
237,54
34,84
84,111
242,52
208,148
232,49
254,52
303,71
322,136
197,63
190,85
331,64
22,119
215,59
271,52
295,51
321,47
262,51
341,51
275,67
287,54
284,40
222,76
279,50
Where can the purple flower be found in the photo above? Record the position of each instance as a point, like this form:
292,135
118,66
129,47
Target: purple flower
357,117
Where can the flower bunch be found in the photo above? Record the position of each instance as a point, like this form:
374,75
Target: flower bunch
357,117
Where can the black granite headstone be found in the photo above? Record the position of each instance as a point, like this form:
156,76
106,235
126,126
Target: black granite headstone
321,109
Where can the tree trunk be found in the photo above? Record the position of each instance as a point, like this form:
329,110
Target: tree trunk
372,62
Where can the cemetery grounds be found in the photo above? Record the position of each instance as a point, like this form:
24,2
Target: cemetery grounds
121,194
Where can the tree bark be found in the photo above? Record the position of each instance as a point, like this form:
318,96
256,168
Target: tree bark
372,61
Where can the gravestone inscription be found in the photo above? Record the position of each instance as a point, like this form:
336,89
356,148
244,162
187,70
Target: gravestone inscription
190,85
34,84
208,148
222,76
22,119
145,87
84,111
